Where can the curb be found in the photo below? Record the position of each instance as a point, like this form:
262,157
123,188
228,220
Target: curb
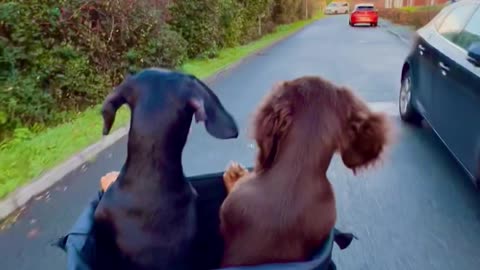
388,27
24,194
404,40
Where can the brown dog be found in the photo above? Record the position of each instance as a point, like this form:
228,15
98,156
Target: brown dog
285,208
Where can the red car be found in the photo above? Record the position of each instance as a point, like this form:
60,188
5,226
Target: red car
364,14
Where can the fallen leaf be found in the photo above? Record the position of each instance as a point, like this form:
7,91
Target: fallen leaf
9,221
32,233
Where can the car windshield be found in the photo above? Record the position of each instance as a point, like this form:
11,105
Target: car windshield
365,8
332,5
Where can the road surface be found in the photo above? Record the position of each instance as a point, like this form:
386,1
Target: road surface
417,211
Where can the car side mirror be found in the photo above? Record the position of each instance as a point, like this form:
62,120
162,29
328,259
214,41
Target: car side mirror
474,54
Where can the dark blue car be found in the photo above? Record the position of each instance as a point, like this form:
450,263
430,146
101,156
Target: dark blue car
441,81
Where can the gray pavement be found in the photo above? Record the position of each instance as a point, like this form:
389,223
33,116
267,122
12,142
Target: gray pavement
403,32
416,211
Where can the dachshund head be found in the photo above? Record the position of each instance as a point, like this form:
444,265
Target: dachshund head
161,99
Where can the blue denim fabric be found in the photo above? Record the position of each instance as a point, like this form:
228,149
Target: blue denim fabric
80,247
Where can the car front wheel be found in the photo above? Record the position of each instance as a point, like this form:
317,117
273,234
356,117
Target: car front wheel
408,113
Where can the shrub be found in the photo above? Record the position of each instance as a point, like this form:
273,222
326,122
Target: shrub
40,73
258,19
287,11
59,57
199,24
232,21
415,17
108,30
211,24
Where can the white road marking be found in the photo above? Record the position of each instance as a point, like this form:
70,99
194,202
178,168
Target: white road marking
390,108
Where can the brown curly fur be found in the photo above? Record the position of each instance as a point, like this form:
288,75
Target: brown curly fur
285,208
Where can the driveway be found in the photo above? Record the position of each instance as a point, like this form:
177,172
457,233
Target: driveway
416,211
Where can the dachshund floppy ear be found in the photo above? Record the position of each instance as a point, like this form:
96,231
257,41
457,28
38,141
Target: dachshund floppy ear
272,122
367,135
208,109
111,104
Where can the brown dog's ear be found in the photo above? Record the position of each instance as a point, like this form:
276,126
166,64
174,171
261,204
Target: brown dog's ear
111,104
272,122
368,133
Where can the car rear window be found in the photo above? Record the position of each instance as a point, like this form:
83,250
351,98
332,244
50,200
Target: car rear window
365,8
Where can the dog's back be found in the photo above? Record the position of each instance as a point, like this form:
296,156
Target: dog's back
286,209
285,226
149,234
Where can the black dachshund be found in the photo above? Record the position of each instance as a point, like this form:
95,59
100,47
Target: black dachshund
147,218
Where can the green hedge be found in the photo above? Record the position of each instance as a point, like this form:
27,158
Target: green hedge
58,57
415,17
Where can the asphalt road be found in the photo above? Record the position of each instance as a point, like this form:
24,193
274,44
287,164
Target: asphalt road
416,211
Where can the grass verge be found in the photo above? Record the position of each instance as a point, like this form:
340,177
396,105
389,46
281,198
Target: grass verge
422,8
23,160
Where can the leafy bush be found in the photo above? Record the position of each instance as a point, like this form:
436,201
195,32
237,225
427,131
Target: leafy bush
40,74
232,21
287,11
199,24
415,17
108,30
258,19
62,56
208,25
